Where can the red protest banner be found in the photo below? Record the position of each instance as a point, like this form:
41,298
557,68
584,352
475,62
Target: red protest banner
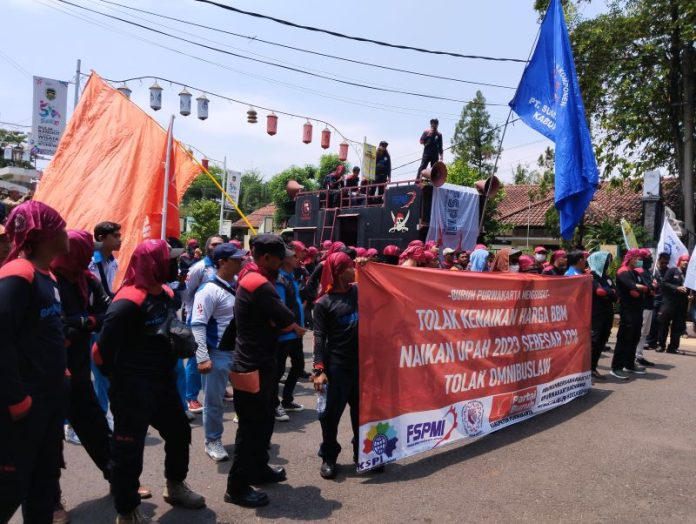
448,355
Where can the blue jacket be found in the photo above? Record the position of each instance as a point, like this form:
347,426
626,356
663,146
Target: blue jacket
289,290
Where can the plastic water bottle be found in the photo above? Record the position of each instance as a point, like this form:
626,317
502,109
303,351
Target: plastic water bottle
321,400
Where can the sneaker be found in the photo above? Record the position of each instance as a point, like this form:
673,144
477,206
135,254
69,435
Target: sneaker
180,494
617,373
281,415
132,518
292,406
215,451
195,407
660,349
672,351
60,515
636,370
645,362
71,436
235,420
229,395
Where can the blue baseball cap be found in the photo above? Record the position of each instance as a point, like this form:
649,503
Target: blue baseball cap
227,251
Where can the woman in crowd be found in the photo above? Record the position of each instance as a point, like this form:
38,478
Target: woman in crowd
507,261
559,264
603,299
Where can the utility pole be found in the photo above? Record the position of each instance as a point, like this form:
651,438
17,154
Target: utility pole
77,83
222,195
688,64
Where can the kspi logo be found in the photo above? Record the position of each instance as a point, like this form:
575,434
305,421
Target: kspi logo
436,431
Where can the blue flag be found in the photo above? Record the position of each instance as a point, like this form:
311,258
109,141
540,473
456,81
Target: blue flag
548,99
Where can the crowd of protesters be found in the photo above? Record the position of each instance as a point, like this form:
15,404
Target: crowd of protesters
96,364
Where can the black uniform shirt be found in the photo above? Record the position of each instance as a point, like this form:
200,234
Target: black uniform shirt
336,329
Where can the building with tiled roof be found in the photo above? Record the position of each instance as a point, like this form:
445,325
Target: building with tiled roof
257,219
523,210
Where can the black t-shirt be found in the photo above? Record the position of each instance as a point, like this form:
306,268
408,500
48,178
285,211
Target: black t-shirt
553,271
630,296
352,181
336,329
432,143
261,316
32,350
674,278
128,343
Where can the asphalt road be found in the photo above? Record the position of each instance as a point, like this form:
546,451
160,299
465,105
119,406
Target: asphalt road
626,452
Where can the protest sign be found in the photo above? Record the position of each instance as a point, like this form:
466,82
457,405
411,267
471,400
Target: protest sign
447,355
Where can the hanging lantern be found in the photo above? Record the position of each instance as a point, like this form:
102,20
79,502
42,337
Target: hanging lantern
155,96
204,163
325,138
125,90
307,133
343,151
251,116
202,107
185,102
272,124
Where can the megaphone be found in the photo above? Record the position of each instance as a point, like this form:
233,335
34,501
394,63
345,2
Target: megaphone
489,187
437,174
292,188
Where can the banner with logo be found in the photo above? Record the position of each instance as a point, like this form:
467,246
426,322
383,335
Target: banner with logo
671,243
49,114
234,184
369,164
454,217
448,355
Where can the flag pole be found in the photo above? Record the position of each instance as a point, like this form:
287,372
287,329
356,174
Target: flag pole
222,196
167,166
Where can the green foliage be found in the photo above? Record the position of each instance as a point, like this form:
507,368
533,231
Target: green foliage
475,141
329,163
202,187
206,214
13,138
458,172
254,192
305,176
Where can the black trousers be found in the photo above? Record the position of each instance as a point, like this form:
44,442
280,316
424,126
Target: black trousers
342,390
30,459
295,350
601,329
138,402
654,335
630,324
425,161
672,321
84,412
380,178
256,414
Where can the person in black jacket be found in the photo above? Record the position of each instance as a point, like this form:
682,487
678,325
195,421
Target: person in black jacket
382,168
336,356
32,374
646,275
603,299
140,363
432,147
658,277
673,311
631,291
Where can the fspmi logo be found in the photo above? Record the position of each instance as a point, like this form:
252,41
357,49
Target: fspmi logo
436,431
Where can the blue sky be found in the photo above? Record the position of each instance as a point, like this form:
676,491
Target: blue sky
45,38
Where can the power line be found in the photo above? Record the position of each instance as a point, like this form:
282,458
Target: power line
289,68
13,124
360,39
309,51
15,64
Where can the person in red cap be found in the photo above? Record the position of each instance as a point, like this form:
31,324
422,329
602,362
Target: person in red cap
140,364
631,292
372,254
559,264
390,255
540,254
527,264
314,280
336,356
673,311
32,376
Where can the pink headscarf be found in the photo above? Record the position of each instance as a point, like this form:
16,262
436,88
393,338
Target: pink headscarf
73,265
31,221
361,251
335,264
372,252
417,253
236,243
149,265
630,255
415,243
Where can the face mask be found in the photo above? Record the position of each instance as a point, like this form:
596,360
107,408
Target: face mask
514,268
540,257
639,263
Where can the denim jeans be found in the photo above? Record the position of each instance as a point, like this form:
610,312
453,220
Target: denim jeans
193,380
101,383
214,384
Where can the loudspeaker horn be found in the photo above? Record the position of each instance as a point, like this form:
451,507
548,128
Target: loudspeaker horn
437,174
293,188
490,186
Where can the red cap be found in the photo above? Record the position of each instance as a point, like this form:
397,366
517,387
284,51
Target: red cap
298,246
526,263
391,251
236,243
326,244
540,249
361,251
645,252
372,252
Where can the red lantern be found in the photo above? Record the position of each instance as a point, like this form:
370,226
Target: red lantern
272,124
325,138
204,163
343,151
307,133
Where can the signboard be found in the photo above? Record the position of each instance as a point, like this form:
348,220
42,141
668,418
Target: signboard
454,217
369,164
233,187
49,114
446,356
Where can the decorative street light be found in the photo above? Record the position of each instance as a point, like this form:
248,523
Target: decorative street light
125,90
155,96
185,102
202,107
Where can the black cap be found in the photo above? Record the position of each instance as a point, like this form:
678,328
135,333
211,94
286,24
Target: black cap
384,143
269,244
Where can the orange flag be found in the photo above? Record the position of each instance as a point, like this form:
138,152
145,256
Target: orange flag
110,166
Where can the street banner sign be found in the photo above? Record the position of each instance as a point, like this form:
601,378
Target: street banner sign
49,114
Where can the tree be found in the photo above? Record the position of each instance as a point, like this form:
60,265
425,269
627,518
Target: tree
206,214
636,66
254,192
13,138
475,140
204,188
285,205
329,163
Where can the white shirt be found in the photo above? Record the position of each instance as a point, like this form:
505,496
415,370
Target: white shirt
213,310
199,273
110,267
